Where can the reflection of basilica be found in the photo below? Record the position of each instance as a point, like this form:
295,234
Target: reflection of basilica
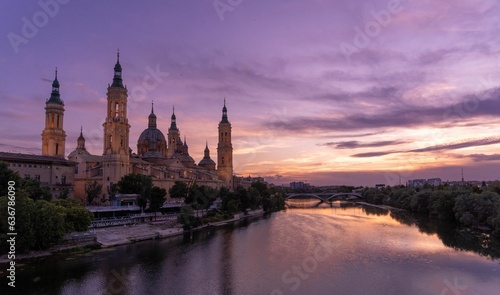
166,159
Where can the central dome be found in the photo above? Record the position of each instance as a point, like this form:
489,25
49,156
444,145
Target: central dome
152,135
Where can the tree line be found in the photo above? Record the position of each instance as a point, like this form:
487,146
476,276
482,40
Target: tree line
201,198
470,206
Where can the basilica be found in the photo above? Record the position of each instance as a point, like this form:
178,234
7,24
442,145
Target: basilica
165,158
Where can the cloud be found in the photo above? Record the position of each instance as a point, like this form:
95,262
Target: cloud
485,104
442,147
372,154
484,158
357,144
459,145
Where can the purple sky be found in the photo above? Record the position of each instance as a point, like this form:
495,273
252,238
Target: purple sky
329,92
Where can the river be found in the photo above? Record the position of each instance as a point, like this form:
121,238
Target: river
352,250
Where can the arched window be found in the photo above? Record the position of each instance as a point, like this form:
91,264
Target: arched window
58,122
52,123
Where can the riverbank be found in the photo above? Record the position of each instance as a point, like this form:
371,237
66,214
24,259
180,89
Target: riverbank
122,235
108,237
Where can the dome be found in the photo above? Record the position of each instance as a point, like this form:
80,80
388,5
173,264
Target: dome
152,135
78,152
186,158
206,162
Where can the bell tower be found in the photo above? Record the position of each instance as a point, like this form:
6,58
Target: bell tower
54,136
116,153
173,135
225,150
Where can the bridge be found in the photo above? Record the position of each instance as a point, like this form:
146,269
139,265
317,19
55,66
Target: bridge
324,197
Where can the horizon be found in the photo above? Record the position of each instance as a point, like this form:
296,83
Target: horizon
329,93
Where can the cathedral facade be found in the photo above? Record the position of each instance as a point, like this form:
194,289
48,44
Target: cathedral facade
165,159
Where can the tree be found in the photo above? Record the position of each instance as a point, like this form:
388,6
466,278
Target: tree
77,217
64,194
242,195
48,224
178,190
25,208
93,190
157,198
7,175
201,197
187,217
136,184
35,190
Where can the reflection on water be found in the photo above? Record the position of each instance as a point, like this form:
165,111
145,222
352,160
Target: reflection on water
300,251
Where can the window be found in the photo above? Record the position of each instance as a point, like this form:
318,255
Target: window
37,177
58,122
57,148
26,176
63,179
52,123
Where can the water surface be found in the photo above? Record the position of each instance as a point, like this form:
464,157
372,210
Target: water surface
300,251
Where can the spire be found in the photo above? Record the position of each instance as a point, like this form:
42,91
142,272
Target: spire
173,123
207,151
224,113
55,97
152,118
81,140
185,147
117,79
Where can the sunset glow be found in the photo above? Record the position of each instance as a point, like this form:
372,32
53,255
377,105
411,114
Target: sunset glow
418,97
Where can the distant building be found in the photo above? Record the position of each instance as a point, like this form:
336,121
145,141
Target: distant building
246,182
416,182
434,181
422,182
379,186
299,185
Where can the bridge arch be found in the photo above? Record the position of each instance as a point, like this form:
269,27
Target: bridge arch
325,197
356,195
309,195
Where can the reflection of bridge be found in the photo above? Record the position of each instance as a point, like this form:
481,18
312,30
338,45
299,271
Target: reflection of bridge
324,197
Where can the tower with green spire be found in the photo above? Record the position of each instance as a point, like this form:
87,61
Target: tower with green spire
116,150
54,136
